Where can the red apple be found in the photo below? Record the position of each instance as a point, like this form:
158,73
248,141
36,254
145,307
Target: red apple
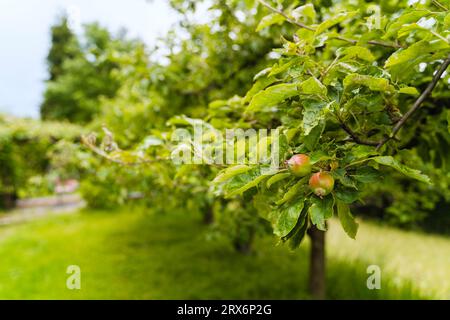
299,165
322,183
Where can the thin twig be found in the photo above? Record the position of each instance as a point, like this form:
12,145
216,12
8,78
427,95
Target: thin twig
373,42
357,162
385,44
288,19
438,36
353,135
304,26
418,102
439,5
329,67
103,154
106,156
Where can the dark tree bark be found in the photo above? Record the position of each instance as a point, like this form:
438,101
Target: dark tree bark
317,263
208,214
244,248
244,245
8,200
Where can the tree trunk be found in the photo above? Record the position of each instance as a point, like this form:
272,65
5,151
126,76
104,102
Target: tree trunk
244,245
208,214
8,200
317,263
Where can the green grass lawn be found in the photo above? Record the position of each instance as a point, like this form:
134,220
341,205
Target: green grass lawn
131,254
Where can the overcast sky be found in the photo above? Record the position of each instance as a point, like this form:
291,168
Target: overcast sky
25,39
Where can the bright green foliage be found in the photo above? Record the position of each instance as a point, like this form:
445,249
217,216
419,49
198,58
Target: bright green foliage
341,86
320,210
336,85
346,218
287,216
272,96
391,162
74,91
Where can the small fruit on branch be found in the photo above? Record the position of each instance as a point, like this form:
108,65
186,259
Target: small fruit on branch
321,183
299,165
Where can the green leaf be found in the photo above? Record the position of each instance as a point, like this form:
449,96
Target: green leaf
286,64
359,152
412,173
259,202
313,86
320,210
337,70
448,121
372,102
402,63
276,178
259,85
408,29
287,217
405,18
447,21
306,11
296,189
291,133
272,96
269,20
230,172
283,147
298,233
338,18
257,151
186,121
347,195
348,222
239,180
313,113
367,174
409,90
341,175
247,186
414,52
318,155
359,52
313,137
373,83
263,73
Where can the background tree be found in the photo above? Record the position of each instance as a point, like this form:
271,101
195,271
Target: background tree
78,81
64,46
25,145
